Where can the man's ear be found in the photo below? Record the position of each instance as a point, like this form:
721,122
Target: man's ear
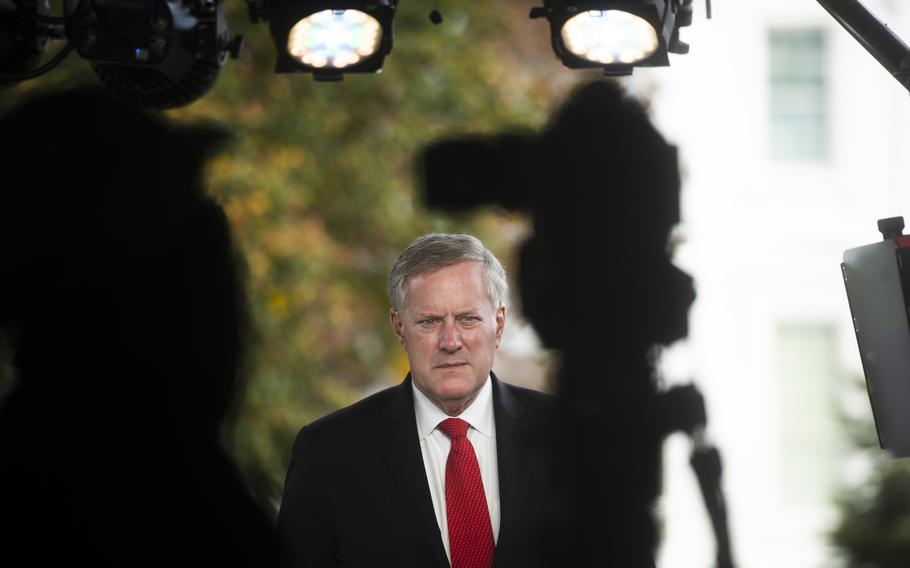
397,325
500,323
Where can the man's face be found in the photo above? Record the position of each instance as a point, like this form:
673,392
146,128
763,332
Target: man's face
450,331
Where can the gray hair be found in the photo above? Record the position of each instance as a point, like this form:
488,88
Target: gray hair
434,251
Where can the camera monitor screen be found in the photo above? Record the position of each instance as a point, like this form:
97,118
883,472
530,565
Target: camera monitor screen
877,279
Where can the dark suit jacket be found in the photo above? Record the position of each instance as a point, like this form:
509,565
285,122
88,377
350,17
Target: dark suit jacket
356,492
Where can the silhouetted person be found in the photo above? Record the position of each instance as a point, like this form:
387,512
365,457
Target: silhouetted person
121,298
597,281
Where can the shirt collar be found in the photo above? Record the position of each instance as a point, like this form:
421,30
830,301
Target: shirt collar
479,414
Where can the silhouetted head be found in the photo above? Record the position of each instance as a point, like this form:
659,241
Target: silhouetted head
119,283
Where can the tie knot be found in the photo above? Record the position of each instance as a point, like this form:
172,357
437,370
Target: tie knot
454,428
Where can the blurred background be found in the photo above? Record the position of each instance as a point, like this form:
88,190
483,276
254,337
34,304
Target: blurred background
793,142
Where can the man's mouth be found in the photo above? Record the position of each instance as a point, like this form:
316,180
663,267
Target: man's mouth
449,365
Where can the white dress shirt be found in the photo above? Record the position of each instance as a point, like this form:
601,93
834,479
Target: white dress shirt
434,445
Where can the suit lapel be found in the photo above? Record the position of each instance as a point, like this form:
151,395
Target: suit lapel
401,448
513,456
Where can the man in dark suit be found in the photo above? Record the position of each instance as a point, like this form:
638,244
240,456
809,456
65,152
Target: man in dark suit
444,469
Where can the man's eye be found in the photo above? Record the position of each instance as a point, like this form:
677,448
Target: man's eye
427,321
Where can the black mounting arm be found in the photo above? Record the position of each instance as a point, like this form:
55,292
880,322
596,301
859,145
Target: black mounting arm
874,35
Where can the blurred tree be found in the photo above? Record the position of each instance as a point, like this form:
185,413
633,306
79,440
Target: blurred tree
874,531
320,193
874,526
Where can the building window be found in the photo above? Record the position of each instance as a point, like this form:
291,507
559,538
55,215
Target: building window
798,90
811,435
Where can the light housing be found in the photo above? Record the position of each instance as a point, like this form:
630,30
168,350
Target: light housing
616,35
23,38
330,38
155,53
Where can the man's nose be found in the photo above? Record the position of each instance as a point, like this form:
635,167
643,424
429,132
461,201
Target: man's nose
449,337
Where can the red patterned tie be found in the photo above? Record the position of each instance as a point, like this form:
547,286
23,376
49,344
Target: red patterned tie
470,533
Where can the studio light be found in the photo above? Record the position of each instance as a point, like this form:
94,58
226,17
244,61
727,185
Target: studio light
155,53
330,38
616,35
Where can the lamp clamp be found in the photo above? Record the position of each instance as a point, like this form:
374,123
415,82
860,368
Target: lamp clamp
233,46
258,11
617,70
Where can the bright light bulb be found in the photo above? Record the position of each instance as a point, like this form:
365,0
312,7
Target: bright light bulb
609,36
334,38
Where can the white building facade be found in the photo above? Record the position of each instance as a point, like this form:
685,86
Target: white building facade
794,141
